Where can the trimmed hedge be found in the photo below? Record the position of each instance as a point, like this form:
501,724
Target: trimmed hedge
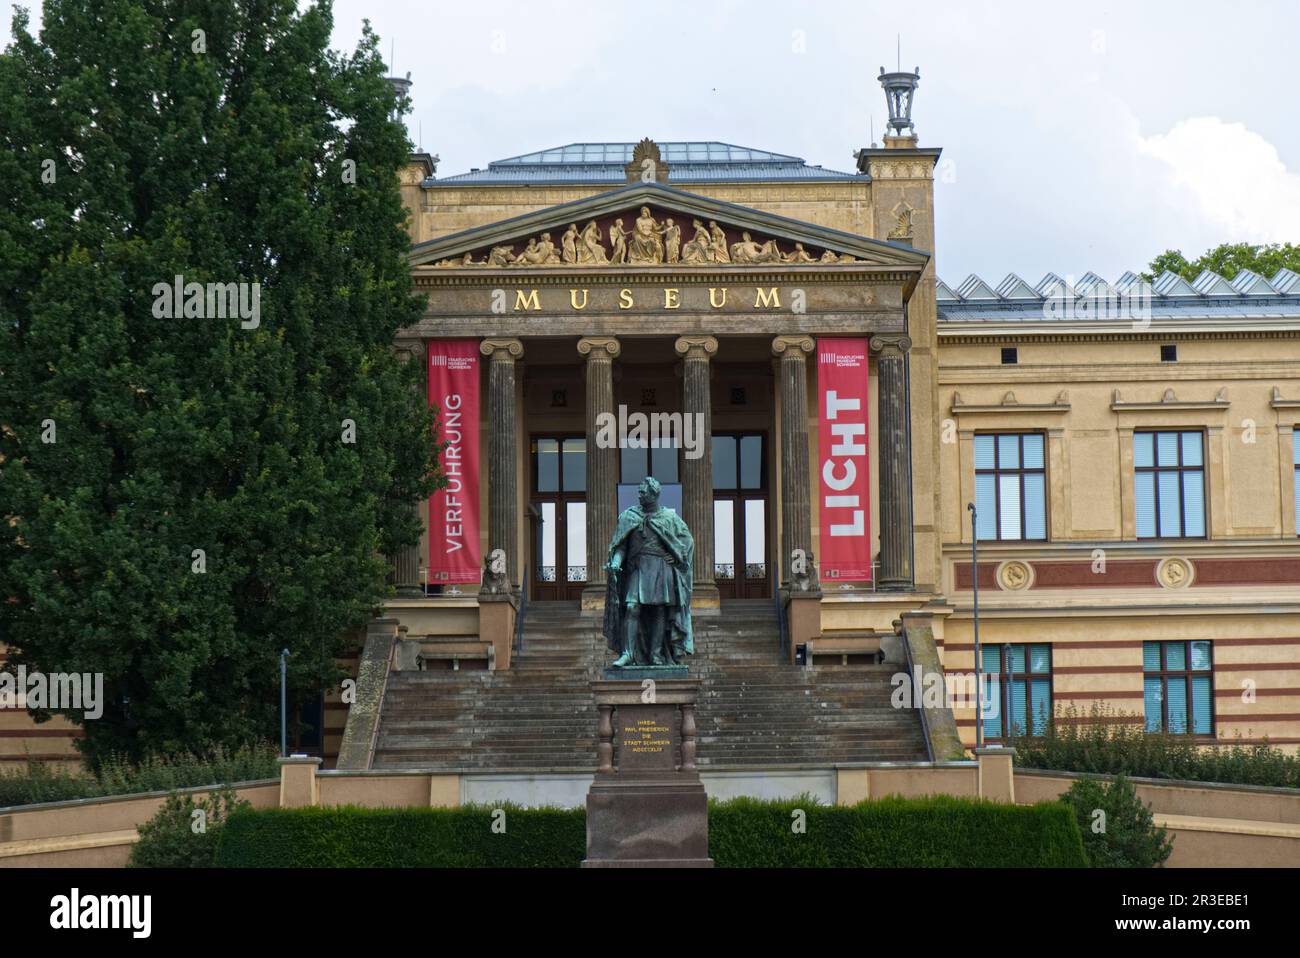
935,832
351,837
743,833
1112,743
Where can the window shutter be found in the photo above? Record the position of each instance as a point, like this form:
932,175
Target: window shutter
1146,505
986,507
1170,505
1042,705
1019,711
1194,503
1035,507
1176,689
1151,704
1150,656
1009,500
1201,696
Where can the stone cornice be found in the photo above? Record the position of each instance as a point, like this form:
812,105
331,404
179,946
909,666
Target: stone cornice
1169,401
996,334
1009,404
491,277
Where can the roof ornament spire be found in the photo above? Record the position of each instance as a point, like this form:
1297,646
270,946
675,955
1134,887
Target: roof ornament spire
647,164
900,88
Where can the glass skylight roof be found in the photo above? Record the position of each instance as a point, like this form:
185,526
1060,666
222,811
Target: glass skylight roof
621,153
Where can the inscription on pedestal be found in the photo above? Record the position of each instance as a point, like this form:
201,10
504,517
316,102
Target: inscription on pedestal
648,737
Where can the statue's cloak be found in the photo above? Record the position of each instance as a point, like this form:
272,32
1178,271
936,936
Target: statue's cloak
676,537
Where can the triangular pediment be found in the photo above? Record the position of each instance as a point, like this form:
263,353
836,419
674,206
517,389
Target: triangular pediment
650,225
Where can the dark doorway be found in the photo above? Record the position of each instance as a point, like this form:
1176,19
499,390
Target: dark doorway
740,515
558,467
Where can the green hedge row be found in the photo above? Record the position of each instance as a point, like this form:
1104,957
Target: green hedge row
743,833
350,837
935,832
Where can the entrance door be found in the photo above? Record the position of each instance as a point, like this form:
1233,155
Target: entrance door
740,564
558,568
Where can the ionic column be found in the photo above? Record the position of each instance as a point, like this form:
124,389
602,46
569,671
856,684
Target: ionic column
602,464
697,474
796,490
895,462
404,565
503,464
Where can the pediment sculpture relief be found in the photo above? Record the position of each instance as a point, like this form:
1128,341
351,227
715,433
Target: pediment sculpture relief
648,242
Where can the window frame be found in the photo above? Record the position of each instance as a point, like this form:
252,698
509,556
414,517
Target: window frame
1295,475
1165,673
1006,674
1019,472
1155,469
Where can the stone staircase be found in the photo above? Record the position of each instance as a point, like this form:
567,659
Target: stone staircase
754,709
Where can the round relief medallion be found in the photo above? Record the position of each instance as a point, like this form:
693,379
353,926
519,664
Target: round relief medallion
1015,575
1174,573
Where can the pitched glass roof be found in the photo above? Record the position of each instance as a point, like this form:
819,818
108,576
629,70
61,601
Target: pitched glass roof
695,161
1169,297
621,153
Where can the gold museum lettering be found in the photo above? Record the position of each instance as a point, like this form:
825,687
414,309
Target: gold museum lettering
535,300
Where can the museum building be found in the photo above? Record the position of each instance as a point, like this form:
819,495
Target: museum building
1128,448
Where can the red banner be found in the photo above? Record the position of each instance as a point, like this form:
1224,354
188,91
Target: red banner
454,510
843,469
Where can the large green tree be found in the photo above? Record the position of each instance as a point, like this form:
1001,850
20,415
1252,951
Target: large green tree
1227,259
221,141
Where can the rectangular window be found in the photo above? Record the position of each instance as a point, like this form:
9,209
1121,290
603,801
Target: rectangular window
1169,476
1019,684
1295,458
1010,486
1178,687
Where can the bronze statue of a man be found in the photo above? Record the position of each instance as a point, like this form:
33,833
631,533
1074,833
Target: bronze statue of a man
650,566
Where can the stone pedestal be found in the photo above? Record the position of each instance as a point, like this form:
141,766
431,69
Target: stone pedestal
805,619
647,807
496,624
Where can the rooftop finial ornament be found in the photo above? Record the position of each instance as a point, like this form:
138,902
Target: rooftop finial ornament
899,89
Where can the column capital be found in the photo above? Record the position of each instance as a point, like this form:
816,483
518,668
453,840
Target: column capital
696,347
793,345
409,349
891,344
502,350
596,348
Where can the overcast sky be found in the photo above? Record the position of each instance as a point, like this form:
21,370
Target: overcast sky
1075,136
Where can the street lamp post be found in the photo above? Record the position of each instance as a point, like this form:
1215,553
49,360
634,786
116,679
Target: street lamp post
284,715
975,598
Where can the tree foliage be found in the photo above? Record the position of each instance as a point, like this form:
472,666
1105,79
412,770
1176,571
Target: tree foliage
198,508
1227,259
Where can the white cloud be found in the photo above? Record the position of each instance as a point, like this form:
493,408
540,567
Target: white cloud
1234,176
